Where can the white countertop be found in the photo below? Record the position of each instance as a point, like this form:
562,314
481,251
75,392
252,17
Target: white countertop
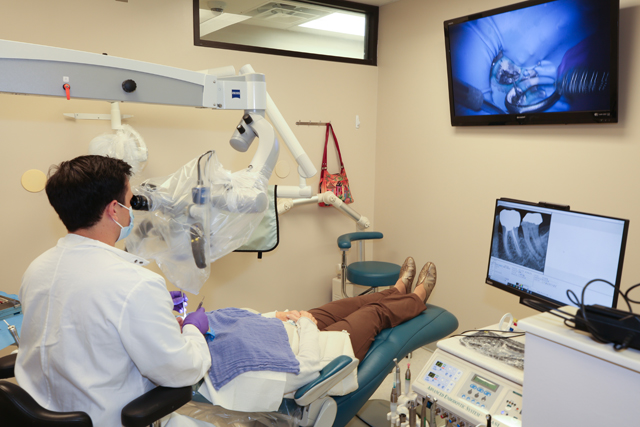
552,328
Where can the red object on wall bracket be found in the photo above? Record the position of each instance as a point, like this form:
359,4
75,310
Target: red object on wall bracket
67,89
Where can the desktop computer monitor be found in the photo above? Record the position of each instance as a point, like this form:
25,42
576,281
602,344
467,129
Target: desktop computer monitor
540,251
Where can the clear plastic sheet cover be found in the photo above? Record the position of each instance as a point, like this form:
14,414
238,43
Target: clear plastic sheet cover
221,417
125,144
490,344
195,216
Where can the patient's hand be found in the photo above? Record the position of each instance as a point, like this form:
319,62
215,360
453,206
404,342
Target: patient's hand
309,315
288,315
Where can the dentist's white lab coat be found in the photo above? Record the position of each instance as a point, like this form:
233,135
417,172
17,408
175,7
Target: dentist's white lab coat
98,331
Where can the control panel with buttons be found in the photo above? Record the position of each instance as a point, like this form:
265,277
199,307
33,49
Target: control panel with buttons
511,405
479,391
443,375
467,392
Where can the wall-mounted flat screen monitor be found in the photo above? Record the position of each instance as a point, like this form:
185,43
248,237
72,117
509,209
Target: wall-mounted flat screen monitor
536,62
540,251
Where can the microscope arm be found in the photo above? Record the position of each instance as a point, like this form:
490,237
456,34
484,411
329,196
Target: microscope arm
42,70
328,198
49,71
306,168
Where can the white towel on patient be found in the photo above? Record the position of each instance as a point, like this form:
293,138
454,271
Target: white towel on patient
253,391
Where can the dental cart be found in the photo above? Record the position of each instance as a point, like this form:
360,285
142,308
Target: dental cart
469,385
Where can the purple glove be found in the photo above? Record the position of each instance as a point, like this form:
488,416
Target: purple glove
179,301
198,319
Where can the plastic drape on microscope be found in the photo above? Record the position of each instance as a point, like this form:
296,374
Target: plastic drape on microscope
191,218
125,144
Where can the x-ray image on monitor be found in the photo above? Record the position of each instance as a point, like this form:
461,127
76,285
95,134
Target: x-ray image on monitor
541,251
521,237
549,57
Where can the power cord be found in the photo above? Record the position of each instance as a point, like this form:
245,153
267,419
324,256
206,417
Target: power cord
210,153
582,317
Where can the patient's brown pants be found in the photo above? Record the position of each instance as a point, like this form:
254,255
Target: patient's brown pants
365,316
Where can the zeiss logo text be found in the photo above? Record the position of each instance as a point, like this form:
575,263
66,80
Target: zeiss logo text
235,93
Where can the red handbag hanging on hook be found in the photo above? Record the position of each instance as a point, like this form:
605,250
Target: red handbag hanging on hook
337,183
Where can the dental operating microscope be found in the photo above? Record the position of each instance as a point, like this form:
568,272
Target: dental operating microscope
197,212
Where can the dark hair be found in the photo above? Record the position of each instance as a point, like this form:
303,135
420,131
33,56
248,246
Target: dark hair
80,189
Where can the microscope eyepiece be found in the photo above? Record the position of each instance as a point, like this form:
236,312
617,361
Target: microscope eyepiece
140,203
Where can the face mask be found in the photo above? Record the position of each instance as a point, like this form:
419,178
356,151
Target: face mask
124,231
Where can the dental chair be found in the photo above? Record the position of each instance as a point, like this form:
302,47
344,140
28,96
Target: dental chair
319,410
372,274
18,408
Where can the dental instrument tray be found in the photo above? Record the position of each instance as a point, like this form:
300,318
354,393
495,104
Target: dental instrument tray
9,307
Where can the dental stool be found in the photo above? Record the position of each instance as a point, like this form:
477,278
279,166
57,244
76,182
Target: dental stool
365,273
18,408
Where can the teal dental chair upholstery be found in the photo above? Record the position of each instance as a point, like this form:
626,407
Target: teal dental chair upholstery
431,325
365,273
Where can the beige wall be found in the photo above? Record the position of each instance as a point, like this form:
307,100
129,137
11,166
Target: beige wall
436,185
297,275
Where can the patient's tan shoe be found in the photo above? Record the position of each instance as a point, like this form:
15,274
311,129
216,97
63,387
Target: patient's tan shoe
427,278
407,273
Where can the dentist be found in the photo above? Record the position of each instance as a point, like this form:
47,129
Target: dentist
98,328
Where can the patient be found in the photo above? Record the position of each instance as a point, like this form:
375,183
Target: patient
288,361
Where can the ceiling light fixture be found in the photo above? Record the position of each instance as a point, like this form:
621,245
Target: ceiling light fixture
339,23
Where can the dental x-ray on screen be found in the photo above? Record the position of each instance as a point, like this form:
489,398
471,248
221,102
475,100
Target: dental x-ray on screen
540,251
